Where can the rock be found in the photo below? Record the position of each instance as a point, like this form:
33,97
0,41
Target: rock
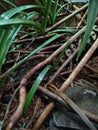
85,97
61,120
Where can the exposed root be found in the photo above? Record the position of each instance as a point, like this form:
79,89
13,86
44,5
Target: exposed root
18,113
77,70
15,117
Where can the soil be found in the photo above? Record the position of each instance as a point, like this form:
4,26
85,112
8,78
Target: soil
83,91
86,78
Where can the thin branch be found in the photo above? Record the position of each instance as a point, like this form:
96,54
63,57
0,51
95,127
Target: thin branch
66,18
43,116
79,66
63,65
8,108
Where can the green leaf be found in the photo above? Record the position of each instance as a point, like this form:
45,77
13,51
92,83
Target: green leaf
6,39
4,22
8,14
46,14
2,5
91,17
28,56
39,3
7,35
10,3
54,15
34,88
66,30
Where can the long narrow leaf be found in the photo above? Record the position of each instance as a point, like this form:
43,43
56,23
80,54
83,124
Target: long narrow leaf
8,14
28,56
46,14
2,32
55,11
7,35
66,30
92,14
6,42
10,3
4,22
34,88
40,5
2,5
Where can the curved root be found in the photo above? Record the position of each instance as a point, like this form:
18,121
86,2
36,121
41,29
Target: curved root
18,113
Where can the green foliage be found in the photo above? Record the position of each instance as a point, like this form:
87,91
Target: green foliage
49,11
17,21
11,23
91,17
28,56
7,36
46,14
34,88
12,4
66,30
8,33
3,6
17,10
55,8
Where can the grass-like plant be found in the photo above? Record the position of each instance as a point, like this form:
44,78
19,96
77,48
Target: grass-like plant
91,18
28,56
49,11
11,24
34,88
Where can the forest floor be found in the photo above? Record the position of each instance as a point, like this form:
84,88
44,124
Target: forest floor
49,109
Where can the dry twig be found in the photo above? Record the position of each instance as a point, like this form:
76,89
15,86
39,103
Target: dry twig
66,18
79,66
62,66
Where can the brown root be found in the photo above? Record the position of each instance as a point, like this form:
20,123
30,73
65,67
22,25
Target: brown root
18,113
